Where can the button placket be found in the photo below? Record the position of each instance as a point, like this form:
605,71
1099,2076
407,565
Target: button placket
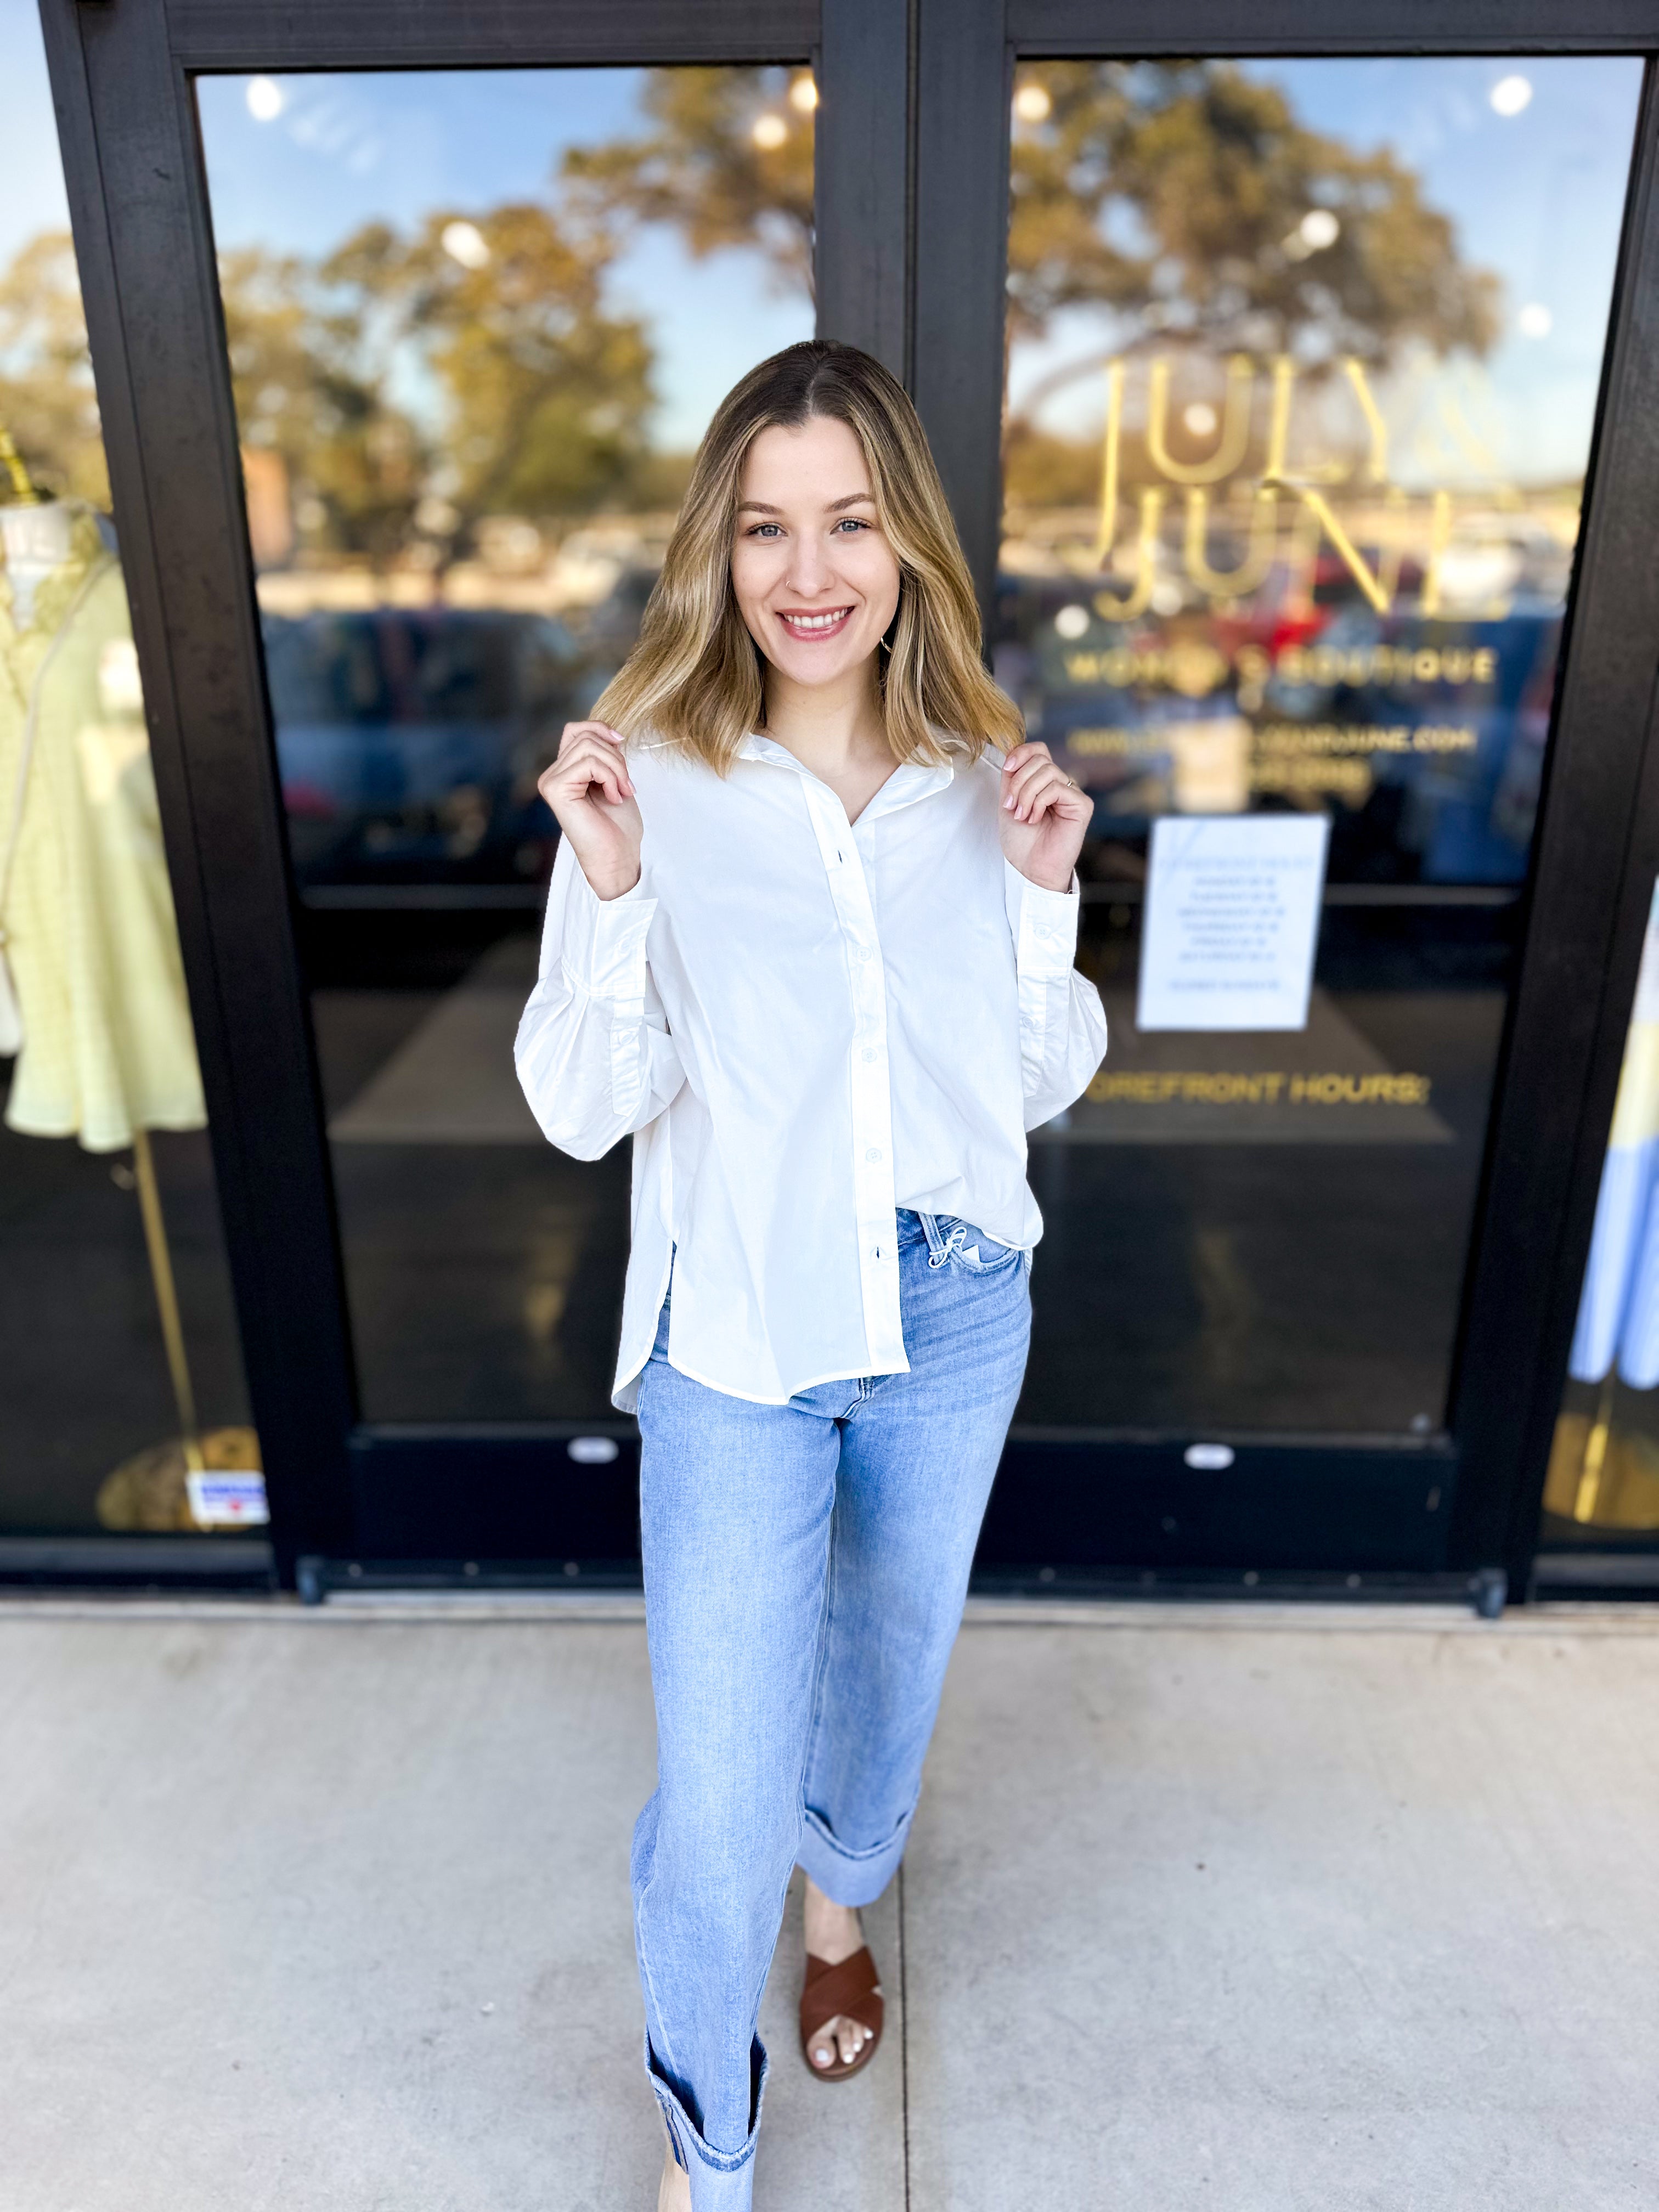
869,1088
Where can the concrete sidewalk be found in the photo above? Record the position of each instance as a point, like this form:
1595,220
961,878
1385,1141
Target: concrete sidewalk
1259,1910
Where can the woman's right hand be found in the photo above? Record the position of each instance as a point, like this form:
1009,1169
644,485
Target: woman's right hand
589,789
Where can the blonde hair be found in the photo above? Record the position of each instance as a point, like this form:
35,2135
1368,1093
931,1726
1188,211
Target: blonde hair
695,678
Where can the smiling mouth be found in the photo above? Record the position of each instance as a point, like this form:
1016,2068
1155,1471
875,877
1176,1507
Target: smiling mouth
811,628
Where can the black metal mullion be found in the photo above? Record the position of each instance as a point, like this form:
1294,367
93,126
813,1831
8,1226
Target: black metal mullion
143,241
963,70
861,216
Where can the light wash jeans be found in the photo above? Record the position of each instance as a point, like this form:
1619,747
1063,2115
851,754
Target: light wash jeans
805,1570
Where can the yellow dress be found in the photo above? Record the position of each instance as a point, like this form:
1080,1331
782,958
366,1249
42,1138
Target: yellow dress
91,938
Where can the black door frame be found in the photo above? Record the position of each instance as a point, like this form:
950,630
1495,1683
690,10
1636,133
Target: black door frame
1597,844
912,198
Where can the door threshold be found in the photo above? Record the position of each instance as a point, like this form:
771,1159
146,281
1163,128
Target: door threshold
1486,1590
140,1563
318,1578
1574,1574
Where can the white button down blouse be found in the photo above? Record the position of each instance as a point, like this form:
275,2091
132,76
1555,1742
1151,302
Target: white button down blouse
806,1024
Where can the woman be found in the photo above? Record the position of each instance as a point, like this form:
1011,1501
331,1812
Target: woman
812,942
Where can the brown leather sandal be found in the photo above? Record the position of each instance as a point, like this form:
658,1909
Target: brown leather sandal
850,1989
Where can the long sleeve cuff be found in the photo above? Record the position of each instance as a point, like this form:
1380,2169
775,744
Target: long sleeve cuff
1044,924
602,947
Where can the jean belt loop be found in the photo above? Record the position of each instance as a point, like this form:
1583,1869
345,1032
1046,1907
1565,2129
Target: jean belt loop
937,1249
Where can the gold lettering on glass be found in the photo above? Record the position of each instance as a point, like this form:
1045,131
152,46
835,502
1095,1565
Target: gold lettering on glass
1139,597
1252,570
1235,434
1313,520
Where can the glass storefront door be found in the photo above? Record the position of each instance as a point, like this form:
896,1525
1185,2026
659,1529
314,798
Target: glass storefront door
1294,421
1302,367
476,324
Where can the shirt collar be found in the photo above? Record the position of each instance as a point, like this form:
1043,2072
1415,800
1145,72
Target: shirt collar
911,780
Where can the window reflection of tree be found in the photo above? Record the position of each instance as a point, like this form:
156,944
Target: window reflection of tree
537,391
1187,199
46,395
1191,204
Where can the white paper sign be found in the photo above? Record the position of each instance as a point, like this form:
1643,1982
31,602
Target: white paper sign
227,1500
1230,922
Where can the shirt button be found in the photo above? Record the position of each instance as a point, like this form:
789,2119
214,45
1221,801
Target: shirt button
871,1054
874,1153
860,952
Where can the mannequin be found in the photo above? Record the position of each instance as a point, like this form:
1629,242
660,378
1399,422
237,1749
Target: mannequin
91,994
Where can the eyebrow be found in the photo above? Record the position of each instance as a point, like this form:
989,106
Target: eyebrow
852,499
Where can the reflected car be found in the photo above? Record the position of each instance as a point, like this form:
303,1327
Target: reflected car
409,741
1456,806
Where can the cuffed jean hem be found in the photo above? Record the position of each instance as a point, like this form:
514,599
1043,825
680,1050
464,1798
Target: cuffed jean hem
849,1878
721,2181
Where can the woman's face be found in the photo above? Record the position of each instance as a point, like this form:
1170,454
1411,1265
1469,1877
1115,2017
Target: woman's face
816,580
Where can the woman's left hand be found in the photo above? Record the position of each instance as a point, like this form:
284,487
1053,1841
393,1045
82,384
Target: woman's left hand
1043,817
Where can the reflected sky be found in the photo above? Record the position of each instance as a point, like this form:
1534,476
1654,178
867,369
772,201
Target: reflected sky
297,163
344,148
31,171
